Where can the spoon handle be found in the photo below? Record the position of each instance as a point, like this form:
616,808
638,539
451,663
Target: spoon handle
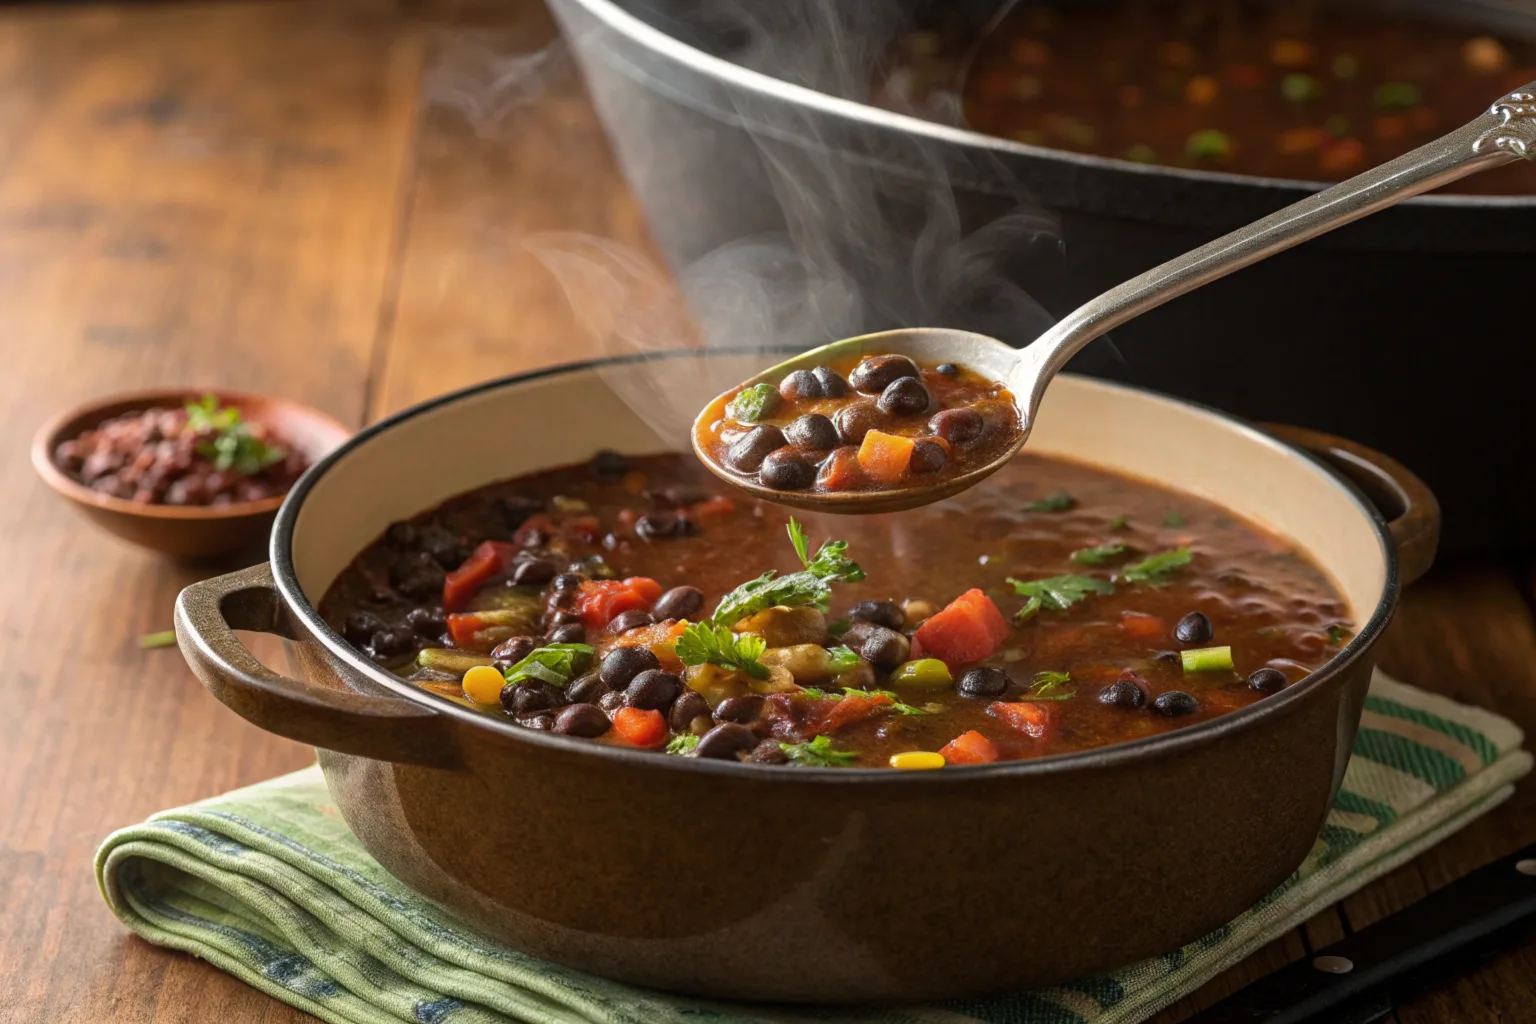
1505,133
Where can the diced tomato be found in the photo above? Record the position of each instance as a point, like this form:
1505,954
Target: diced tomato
1139,626
587,528
969,748
967,630
641,728
1035,720
490,558
480,631
536,529
599,601
713,507
855,707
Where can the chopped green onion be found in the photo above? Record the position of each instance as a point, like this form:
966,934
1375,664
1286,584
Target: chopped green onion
1208,144
1300,88
1207,659
1398,94
922,672
165,638
754,403
443,659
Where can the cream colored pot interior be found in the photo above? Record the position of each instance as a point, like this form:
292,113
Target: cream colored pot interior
565,417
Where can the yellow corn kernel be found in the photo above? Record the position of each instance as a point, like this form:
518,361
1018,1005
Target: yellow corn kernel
482,684
917,760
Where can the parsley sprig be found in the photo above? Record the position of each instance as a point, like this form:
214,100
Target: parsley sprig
683,744
1058,593
1100,554
811,586
1058,502
1155,569
818,753
703,643
229,443
896,705
555,664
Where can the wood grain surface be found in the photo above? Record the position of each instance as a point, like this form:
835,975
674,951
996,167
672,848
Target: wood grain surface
346,203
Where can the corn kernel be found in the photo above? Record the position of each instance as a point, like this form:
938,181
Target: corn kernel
917,760
483,684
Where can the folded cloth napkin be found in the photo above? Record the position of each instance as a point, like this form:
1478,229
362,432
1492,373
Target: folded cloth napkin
268,884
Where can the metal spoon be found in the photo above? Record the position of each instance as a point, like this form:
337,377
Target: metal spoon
1507,132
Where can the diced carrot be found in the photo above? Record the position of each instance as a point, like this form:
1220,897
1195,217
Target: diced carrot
855,707
661,638
639,727
1140,626
1035,720
599,601
967,630
884,457
969,748
841,470
713,507
490,558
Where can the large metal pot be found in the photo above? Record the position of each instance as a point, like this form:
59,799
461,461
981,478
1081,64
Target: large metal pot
784,883
1396,330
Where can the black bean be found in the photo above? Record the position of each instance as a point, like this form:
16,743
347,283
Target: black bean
582,720
514,510
626,621
982,681
586,689
622,664
1175,704
1123,693
768,752
534,572
401,535
685,709
957,426
608,464
881,613
561,617
443,546
592,567
856,420
884,648
724,742
928,456
538,723
1194,628
812,432
747,454
429,622
786,470
653,690
660,525
948,369
678,603
418,575
360,627
801,384
743,710
904,397
832,383
509,653
389,643
875,374
611,701
570,633
1268,680
526,698
566,581
1171,657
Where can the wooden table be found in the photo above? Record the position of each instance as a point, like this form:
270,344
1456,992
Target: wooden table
258,195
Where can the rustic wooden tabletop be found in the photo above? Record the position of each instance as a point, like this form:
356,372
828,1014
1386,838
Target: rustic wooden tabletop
306,199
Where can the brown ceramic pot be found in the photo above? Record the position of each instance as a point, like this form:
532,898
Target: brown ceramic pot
784,883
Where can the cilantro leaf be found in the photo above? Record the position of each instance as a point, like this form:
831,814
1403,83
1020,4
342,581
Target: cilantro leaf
1338,633
843,659
1099,555
228,442
1046,685
1155,569
811,586
165,638
754,403
1030,610
896,705
1058,593
818,753
683,744
800,541
1173,519
702,643
1058,502
555,664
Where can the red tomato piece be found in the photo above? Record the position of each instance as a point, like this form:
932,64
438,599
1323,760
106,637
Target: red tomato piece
490,558
969,748
1033,720
587,528
641,728
855,707
718,505
967,630
1140,626
536,529
599,601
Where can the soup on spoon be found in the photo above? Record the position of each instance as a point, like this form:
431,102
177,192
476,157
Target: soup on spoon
865,422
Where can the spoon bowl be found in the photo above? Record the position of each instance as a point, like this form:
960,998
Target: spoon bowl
1506,132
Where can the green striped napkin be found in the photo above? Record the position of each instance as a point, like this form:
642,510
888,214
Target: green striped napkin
268,884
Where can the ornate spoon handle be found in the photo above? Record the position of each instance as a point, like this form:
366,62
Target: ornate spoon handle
1505,133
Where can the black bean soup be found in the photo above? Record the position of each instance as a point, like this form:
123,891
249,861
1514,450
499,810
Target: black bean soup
634,602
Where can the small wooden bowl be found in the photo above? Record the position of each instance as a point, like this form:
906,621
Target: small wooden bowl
184,531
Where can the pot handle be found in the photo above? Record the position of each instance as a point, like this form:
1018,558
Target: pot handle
384,728
1406,502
